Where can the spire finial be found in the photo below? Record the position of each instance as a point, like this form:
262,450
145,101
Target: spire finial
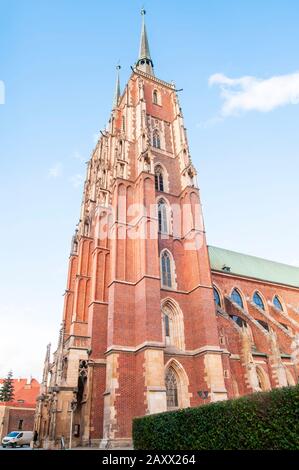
117,88
144,62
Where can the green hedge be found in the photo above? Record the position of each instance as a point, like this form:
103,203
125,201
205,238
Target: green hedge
267,420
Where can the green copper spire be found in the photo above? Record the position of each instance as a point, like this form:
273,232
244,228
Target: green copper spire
117,88
144,62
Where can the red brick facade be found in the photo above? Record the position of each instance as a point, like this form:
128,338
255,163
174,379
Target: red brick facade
141,332
19,413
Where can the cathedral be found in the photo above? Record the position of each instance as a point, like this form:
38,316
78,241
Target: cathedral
154,319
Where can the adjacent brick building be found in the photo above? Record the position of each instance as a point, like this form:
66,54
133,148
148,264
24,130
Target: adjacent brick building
154,319
18,414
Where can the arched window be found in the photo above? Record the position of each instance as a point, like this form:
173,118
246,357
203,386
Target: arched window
173,321
262,379
166,269
171,384
155,97
121,149
239,321
86,229
264,325
167,326
217,299
162,217
258,300
289,377
277,303
156,139
236,297
159,182
123,123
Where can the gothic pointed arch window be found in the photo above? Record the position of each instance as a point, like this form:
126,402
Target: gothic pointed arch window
167,327
217,299
159,178
162,216
277,303
236,297
257,299
171,383
262,379
86,228
155,97
173,322
82,381
121,150
156,139
166,269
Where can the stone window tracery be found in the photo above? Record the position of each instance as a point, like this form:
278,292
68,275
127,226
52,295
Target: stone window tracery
159,178
156,139
171,389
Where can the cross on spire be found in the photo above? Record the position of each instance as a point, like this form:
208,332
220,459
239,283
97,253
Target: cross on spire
117,88
144,61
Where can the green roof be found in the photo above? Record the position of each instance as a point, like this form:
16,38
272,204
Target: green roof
253,267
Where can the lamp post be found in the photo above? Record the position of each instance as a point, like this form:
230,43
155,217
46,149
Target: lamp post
73,408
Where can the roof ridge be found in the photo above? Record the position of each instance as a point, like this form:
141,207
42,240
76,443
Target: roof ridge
254,256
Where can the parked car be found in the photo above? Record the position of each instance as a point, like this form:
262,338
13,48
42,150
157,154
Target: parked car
17,438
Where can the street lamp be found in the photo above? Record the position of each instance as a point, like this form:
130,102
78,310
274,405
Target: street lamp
73,408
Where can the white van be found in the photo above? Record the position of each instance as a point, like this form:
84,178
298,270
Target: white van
18,438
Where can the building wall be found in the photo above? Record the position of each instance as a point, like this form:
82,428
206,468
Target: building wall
18,414
10,418
274,351
113,353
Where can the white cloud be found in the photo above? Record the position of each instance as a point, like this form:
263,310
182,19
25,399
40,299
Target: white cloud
76,180
2,92
55,171
250,93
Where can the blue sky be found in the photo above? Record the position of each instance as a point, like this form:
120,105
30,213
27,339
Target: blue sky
57,64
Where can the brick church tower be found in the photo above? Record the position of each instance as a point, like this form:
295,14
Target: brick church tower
139,331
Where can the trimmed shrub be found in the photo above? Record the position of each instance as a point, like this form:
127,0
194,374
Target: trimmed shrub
268,420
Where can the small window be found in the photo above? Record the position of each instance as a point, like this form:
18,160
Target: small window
258,300
167,326
284,325
239,321
159,182
123,123
216,297
86,229
264,324
277,303
166,269
77,430
236,297
155,97
162,217
156,140
20,427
